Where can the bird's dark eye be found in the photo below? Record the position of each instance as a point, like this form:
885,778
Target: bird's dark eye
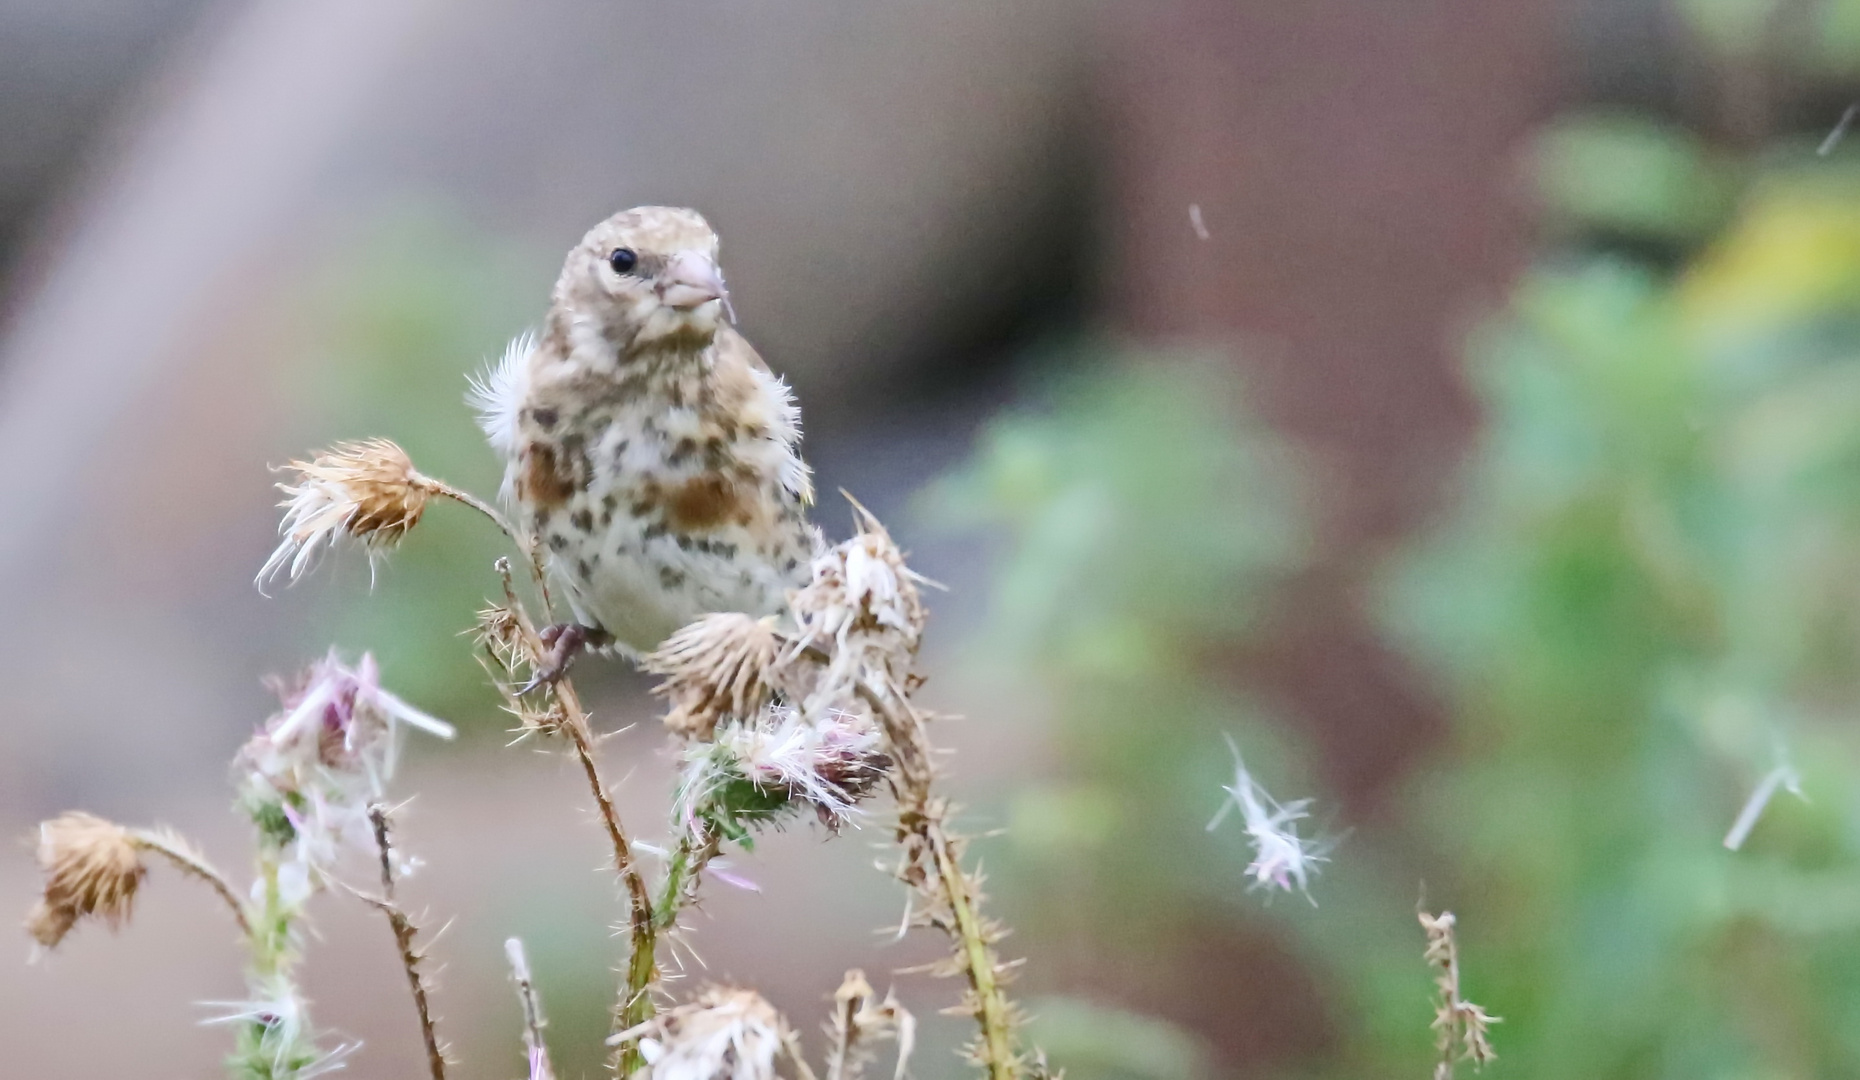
623,260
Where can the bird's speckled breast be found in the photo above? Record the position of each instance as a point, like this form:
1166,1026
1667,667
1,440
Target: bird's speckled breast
660,499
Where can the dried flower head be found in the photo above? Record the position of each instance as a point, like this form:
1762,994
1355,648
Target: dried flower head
367,490
1281,858
862,607
725,1034
755,773
1459,1026
92,868
715,668
860,1020
308,774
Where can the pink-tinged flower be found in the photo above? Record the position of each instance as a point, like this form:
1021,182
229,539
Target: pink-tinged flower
1281,858
832,764
756,773
311,770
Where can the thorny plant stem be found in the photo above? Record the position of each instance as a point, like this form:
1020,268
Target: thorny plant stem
268,1047
920,823
635,1005
190,863
681,875
404,934
979,957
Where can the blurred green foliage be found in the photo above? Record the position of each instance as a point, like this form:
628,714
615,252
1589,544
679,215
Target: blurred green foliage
1113,1044
407,310
1645,598
1140,513
1631,176
1648,599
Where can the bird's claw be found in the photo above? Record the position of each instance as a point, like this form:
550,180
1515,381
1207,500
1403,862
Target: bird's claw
565,642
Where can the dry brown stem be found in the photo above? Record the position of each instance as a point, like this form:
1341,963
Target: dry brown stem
1459,1025
186,858
634,1006
405,936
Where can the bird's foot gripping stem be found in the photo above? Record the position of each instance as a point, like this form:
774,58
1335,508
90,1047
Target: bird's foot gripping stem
565,642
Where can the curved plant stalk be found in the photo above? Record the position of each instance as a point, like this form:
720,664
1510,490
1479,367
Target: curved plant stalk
405,935
184,857
932,864
570,719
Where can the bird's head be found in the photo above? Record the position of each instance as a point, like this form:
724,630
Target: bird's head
645,281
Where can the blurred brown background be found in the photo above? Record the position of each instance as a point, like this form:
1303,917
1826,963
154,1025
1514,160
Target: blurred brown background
206,204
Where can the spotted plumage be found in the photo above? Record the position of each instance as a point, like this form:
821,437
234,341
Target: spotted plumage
649,449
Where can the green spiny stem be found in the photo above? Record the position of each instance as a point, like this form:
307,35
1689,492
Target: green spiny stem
978,957
920,819
688,861
635,1005
273,957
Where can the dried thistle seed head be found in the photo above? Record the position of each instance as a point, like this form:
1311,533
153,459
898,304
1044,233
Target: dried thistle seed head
863,608
508,660
715,668
368,491
92,868
726,1033
858,1021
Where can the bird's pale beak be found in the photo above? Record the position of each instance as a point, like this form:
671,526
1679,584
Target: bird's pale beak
690,280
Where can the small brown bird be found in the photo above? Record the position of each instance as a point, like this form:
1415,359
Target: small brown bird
650,450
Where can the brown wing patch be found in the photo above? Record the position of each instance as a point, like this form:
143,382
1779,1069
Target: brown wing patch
707,502
543,482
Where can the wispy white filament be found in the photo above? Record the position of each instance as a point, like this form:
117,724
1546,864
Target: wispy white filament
1781,776
1281,858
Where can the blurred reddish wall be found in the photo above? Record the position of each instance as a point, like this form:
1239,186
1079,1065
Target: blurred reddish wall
1352,163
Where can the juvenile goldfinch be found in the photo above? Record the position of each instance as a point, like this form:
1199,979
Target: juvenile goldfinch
649,449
